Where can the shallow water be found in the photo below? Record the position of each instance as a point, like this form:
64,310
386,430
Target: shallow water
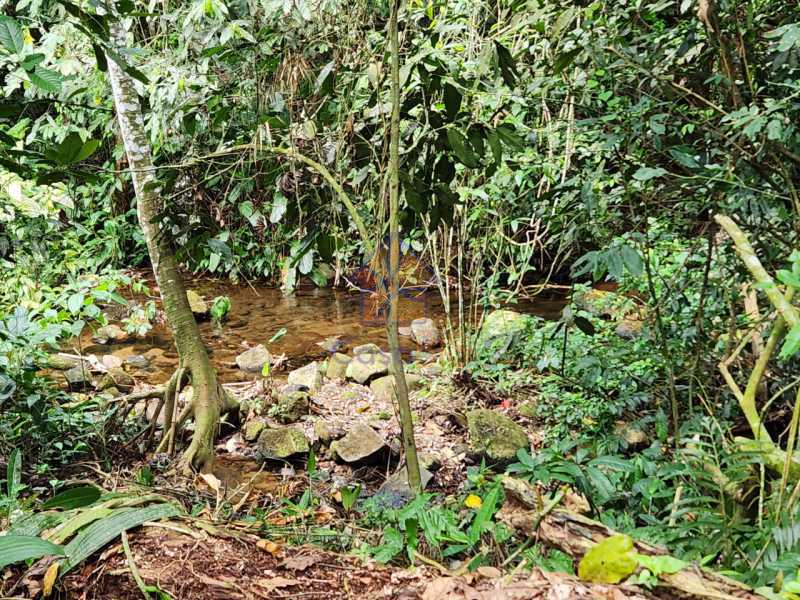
309,316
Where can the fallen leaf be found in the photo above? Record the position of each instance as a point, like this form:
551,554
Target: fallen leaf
274,583
212,481
49,579
489,572
299,562
270,546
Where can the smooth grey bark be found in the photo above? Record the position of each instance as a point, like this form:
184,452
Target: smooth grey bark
207,397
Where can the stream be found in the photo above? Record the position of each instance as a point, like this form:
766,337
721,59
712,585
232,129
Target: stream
309,315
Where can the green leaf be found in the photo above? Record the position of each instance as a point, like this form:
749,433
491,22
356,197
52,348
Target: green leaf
452,100
791,344
660,564
279,205
584,324
14,474
632,261
74,498
87,150
509,136
49,81
99,533
788,278
508,67
18,548
11,35
32,60
648,173
306,263
278,335
213,261
565,59
100,58
75,302
79,521
458,143
609,561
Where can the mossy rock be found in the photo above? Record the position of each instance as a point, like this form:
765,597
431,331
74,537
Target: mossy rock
197,304
501,329
366,366
337,366
309,376
253,429
282,442
291,406
117,378
361,443
494,435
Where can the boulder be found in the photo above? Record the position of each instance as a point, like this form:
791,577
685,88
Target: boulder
291,406
197,304
253,360
367,365
61,362
630,329
425,333
309,377
110,334
405,331
600,303
111,361
337,366
384,387
397,487
494,435
78,378
632,433
501,329
253,429
366,349
117,378
326,432
332,344
361,443
137,361
282,442
421,356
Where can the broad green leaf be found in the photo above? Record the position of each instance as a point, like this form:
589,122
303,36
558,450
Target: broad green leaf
452,100
279,205
791,344
87,150
14,474
565,59
98,534
82,519
75,302
459,145
18,548
74,498
648,173
213,261
11,35
306,263
49,81
660,564
609,561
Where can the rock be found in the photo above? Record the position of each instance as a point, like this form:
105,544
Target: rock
253,428
78,378
630,329
325,432
332,344
111,362
309,376
112,392
431,370
396,487
429,461
116,378
360,443
420,356
501,329
137,361
337,366
494,435
197,304
425,333
110,334
62,362
633,435
282,442
405,331
599,303
367,365
253,360
383,387
291,406
366,349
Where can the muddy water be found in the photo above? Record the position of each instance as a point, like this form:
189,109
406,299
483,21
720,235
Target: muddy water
309,316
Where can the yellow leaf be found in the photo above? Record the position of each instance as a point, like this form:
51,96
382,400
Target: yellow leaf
473,501
610,561
49,579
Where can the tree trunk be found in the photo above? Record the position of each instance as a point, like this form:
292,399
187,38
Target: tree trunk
406,420
193,354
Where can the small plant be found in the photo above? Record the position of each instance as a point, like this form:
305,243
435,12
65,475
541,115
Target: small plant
350,494
220,308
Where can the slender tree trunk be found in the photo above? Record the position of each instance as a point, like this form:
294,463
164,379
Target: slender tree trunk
406,420
193,354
